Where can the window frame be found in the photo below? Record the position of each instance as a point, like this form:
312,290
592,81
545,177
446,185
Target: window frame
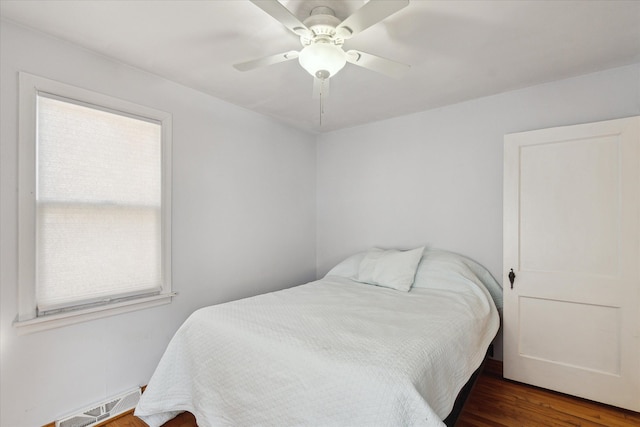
30,86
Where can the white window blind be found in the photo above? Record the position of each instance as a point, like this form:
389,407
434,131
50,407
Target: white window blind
98,205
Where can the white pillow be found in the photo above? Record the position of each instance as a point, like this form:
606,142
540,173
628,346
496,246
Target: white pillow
390,268
442,270
349,267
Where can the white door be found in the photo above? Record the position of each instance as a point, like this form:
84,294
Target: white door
572,238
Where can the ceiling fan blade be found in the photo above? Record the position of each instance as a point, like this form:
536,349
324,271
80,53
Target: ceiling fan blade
268,60
369,14
377,63
320,88
284,16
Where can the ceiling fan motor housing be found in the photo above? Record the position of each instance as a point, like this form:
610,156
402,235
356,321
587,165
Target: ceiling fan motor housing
322,22
322,55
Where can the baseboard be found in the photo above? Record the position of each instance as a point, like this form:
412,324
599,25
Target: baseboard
108,420
124,414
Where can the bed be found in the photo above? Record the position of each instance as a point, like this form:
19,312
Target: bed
386,338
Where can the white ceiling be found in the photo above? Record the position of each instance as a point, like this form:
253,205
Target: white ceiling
458,50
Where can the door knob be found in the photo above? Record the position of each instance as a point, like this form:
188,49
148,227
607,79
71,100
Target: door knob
512,277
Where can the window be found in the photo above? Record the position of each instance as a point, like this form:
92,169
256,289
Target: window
94,204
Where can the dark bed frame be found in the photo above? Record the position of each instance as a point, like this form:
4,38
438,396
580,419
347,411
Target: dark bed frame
451,420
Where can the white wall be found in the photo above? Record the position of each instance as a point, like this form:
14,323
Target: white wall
435,178
243,224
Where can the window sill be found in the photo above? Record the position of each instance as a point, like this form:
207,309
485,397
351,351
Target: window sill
71,317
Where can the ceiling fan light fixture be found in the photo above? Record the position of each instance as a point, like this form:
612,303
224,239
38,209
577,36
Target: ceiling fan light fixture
322,60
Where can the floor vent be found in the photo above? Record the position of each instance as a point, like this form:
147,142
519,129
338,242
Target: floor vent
102,411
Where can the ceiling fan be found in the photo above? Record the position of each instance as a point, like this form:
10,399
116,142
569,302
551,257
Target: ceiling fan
322,36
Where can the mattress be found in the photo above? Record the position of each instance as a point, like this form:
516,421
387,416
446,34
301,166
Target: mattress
333,352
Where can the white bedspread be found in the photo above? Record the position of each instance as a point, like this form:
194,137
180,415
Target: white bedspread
329,353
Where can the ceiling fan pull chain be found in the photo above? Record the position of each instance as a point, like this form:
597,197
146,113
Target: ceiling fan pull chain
322,88
321,102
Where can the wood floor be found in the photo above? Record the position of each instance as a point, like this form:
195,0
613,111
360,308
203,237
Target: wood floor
495,402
